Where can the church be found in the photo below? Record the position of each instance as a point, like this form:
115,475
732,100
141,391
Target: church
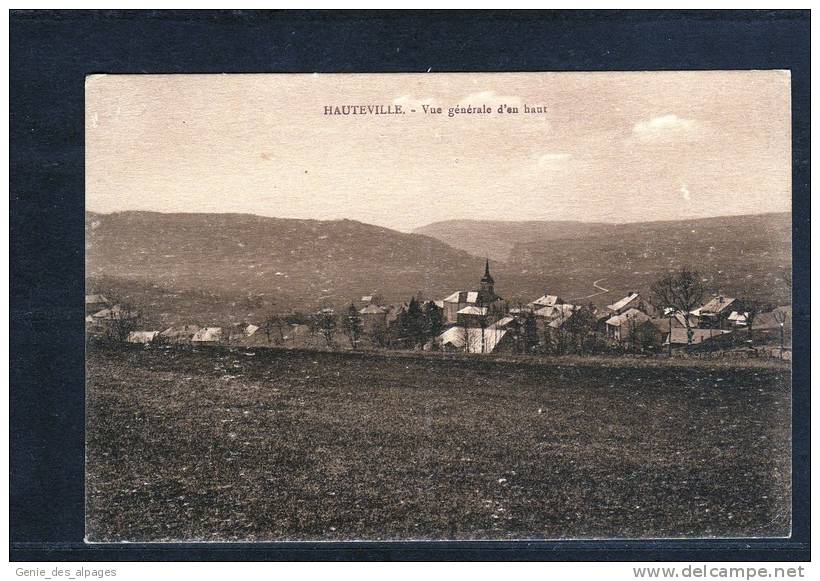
470,304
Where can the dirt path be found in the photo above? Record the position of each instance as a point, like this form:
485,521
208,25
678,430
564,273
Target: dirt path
601,290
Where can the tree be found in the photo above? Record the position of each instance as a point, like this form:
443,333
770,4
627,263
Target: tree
378,332
396,332
559,323
272,326
679,293
352,326
547,338
514,329
433,320
642,336
122,319
530,332
413,323
324,323
580,325
483,323
464,334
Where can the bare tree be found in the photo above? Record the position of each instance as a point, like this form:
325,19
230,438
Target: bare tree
682,292
121,320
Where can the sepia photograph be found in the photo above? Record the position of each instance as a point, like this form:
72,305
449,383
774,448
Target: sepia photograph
438,306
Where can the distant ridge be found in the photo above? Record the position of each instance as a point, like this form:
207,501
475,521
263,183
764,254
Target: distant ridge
242,264
497,238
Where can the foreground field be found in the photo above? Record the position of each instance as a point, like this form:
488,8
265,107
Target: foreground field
264,445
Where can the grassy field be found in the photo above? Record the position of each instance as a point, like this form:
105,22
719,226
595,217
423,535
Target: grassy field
221,445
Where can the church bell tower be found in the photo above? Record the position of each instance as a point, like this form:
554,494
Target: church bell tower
487,284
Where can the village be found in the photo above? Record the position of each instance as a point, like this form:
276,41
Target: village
481,322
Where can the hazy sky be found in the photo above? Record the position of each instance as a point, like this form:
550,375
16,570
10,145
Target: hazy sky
615,147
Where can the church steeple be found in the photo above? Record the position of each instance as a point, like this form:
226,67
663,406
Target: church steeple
487,278
487,283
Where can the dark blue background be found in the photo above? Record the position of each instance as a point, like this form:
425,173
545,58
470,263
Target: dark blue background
51,52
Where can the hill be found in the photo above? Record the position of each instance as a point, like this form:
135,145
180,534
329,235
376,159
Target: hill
262,261
737,255
223,267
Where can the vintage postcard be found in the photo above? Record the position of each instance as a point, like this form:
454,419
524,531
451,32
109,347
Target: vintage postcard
329,307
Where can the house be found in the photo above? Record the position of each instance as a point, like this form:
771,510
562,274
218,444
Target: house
457,301
545,301
393,312
558,311
473,340
678,319
373,317
208,335
453,339
736,319
650,334
620,327
114,320
505,322
484,297
298,331
144,337
679,336
292,334
551,319
715,313
473,317
632,300
775,326
117,312
95,303
558,323
182,334
372,299
773,320
240,332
